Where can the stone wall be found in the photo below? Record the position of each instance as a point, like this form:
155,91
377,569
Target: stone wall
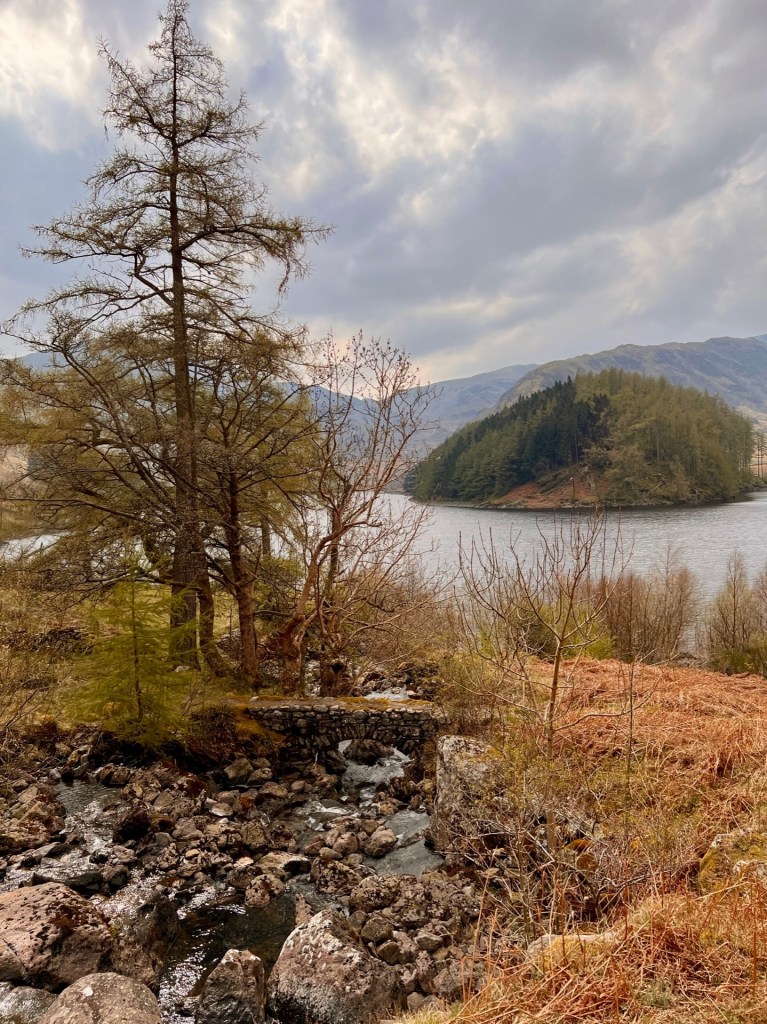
311,726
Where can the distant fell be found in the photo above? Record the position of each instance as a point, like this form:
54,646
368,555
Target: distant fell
735,369
463,400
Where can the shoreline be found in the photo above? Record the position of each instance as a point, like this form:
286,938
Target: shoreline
519,505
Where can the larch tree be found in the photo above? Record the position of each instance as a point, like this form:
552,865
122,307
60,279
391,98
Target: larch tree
172,229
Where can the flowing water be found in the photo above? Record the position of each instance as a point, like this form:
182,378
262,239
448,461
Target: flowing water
215,919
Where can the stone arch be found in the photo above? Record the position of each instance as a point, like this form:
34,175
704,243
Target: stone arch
310,727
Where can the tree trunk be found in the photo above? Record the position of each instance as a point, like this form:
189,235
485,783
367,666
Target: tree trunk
248,638
210,652
292,655
185,570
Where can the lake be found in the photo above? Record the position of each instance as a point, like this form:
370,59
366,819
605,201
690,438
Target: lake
704,537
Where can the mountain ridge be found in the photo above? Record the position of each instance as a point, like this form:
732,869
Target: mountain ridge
734,369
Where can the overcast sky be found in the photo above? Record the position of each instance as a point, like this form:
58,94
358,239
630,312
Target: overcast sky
509,181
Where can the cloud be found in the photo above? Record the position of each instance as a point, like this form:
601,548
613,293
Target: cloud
47,66
509,181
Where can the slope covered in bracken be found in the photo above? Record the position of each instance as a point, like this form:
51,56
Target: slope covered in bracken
662,918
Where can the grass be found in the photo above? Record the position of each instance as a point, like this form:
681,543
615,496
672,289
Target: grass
678,946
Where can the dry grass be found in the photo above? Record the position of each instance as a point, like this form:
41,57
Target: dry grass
658,784
677,959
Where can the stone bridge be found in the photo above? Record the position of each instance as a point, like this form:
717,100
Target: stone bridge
314,725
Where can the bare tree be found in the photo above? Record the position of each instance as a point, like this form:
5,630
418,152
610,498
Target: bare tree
515,610
368,413
650,617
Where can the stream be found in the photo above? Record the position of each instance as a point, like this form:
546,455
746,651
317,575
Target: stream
216,919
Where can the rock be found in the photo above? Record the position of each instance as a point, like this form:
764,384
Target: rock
365,751
428,941
144,934
408,950
346,843
390,952
134,824
104,999
471,802
382,841
285,865
325,976
239,771
113,775
377,929
50,936
376,892
234,992
335,876
272,791
415,1001
334,761
262,890
219,810
449,983
425,971
254,837
34,819
23,1005
733,856
327,853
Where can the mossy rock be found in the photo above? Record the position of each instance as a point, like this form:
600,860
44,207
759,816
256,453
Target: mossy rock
574,950
734,856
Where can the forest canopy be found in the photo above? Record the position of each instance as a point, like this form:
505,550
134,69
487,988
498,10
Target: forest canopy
637,440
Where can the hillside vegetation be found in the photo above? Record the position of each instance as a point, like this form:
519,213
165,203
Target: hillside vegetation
734,369
636,440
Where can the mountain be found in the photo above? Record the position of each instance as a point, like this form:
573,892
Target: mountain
735,369
464,399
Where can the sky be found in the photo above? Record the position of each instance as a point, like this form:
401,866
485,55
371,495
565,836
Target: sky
509,181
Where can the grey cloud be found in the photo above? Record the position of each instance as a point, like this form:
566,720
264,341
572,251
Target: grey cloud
593,131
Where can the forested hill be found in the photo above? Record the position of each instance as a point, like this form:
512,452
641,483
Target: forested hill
633,439
732,368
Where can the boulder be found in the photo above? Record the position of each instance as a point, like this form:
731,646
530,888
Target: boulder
324,975
376,892
263,889
50,936
334,876
471,804
144,933
285,865
239,771
23,1005
234,992
382,841
104,999
35,818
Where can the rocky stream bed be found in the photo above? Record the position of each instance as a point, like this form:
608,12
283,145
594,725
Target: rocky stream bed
253,890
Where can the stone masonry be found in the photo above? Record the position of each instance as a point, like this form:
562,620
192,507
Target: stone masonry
311,726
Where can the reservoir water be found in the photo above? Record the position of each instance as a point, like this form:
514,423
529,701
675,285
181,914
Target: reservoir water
703,538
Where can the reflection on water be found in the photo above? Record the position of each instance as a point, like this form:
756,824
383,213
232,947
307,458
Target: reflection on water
207,933
702,538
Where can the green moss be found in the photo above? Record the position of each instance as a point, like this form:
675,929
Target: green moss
736,854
